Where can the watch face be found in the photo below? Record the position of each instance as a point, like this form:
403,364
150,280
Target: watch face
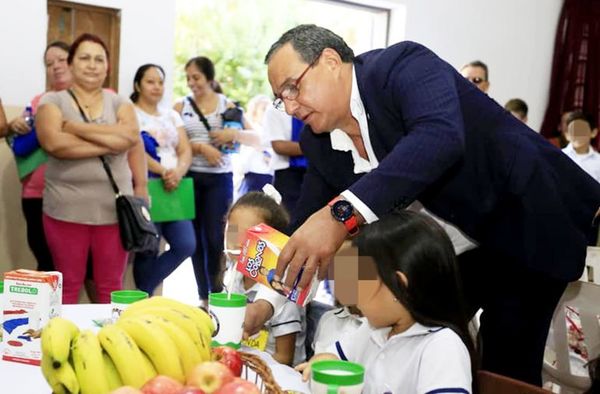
342,210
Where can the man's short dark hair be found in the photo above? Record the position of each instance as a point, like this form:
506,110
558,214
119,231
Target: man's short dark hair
478,63
517,105
581,115
309,41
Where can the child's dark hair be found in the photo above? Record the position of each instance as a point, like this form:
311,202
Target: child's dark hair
272,213
580,115
139,75
418,247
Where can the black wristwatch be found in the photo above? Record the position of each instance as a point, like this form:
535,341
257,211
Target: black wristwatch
343,212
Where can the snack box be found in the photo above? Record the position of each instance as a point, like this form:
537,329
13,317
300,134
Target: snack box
30,300
258,260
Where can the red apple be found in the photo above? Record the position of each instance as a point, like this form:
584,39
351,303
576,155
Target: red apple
230,357
126,390
209,376
161,384
190,390
239,386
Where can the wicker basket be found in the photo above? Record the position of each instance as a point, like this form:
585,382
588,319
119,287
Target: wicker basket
258,372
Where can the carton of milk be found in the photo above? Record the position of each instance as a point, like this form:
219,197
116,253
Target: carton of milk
30,300
258,259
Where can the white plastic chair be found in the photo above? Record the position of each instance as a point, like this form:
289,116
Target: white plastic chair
557,369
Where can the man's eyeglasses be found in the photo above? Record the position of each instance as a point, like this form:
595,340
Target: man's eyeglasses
291,90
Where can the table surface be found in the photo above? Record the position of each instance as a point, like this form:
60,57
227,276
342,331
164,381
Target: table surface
28,379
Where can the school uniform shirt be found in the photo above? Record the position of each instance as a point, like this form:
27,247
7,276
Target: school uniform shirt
589,162
421,360
335,324
288,319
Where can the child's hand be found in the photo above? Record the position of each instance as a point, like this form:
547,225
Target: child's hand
304,368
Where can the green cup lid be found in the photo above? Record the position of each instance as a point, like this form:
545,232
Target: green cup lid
222,299
340,373
127,296
1,287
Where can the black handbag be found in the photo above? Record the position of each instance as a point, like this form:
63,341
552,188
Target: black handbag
138,233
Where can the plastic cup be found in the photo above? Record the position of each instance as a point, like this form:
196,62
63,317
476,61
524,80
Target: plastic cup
335,376
121,299
227,312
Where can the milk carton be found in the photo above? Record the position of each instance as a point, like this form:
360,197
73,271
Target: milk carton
258,260
30,300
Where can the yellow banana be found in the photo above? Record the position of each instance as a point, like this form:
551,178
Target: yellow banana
157,344
56,339
189,351
89,366
50,374
198,314
65,374
125,354
147,364
181,319
113,379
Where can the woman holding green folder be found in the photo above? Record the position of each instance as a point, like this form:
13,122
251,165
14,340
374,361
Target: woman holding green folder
169,161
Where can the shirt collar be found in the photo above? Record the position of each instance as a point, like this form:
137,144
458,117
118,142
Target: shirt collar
380,336
570,150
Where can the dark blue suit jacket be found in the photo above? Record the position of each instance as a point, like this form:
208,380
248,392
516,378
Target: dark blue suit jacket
440,140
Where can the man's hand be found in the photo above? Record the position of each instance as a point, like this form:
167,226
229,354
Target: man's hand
311,247
257,314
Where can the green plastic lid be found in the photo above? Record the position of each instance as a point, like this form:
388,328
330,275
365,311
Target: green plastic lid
127,296
1,287
222,299
337,372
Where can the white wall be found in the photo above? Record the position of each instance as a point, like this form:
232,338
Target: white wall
515,38
147,35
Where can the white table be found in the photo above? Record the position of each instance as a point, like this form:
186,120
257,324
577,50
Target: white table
28,379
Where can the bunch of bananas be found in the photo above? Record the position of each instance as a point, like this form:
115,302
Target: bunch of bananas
153,336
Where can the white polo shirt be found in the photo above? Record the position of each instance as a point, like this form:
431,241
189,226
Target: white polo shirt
589,162
335,324
419,360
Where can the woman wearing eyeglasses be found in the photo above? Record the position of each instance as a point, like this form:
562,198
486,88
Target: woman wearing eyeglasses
211,168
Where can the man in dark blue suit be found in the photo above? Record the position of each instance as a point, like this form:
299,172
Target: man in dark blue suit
397,125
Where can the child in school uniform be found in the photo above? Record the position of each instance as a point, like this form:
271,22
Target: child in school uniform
416,339
286,329
334,324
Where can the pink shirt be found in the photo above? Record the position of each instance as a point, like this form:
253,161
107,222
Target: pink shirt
33,184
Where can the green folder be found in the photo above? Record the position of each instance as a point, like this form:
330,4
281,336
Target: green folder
174,205
26,165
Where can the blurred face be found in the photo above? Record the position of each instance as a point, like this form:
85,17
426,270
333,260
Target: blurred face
151,87
580,134
356,282
476,75
240,220
318,103
90,65
58,73
196,80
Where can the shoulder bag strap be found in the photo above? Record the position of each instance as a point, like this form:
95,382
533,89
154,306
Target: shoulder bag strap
199,113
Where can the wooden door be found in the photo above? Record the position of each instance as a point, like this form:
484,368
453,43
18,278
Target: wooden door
66,21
